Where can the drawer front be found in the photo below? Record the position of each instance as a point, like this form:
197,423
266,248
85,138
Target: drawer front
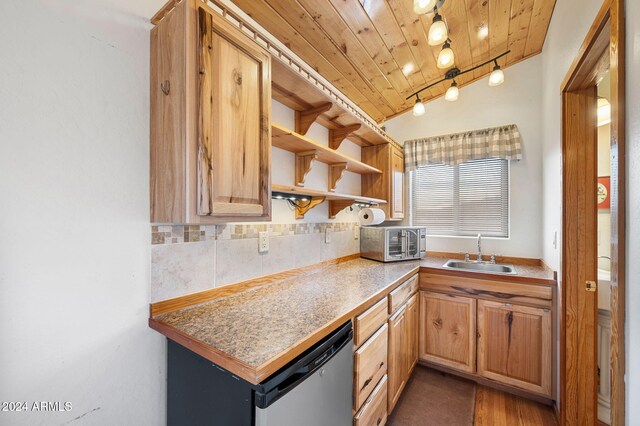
398,296
370,364
369,321
374,411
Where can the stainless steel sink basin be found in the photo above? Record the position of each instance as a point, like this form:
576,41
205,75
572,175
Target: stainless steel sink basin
486,267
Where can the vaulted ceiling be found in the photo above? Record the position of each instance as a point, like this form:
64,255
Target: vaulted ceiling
376,51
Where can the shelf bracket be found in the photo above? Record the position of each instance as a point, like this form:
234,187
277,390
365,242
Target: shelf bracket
304,161
336,136
304,206
304,119
335,174
336,206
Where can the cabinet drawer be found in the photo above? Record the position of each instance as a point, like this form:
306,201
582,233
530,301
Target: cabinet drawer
369,321
370,364
374,411
398,296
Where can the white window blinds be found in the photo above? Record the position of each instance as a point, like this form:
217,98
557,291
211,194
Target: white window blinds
462,200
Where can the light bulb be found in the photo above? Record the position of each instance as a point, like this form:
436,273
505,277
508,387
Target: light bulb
438,32
421,7
496,77
445,57
452,92
418,108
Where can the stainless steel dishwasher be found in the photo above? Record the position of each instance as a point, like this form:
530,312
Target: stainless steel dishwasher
315,389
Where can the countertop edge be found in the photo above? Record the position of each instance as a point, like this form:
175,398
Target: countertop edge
518,279
256,375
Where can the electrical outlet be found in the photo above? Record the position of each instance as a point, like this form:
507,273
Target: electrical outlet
356,233
263,242
327,236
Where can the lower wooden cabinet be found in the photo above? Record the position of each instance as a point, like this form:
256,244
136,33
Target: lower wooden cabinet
397,369
448,330
412,324
374,411
514,345
370,364
403,348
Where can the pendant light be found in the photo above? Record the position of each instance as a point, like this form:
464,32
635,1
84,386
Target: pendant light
452,92
496,78
421,7
418,107
438,32
446,57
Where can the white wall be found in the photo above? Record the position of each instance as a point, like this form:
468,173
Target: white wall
561,47
75,243
479,106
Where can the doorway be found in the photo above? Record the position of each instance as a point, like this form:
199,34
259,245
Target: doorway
600,62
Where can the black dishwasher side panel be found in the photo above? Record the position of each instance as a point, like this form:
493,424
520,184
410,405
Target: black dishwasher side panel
201,393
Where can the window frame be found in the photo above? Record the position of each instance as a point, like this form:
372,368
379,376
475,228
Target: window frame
410,178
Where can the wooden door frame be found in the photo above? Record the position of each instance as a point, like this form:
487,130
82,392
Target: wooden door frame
579,123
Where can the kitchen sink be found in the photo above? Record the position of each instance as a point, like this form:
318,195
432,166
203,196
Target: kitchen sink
486,267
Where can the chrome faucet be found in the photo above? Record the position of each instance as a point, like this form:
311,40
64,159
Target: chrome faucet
479,247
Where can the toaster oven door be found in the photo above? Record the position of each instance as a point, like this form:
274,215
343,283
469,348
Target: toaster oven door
395,244
412,244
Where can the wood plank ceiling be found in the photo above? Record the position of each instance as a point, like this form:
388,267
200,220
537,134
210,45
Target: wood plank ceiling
376,51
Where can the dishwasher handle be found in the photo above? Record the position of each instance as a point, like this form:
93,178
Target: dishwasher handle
290,377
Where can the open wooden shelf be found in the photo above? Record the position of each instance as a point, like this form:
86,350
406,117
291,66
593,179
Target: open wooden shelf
329,196
291,141
302,92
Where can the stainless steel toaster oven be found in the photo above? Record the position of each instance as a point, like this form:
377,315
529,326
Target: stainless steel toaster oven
393,243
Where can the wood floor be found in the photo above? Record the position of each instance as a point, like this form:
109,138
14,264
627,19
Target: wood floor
497,408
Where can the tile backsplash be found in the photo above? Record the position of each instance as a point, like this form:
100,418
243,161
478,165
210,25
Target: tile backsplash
190,258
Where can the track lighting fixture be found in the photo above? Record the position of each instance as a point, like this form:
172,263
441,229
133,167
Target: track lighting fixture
421,7
452,92
418,107
446,57
438,32
496,78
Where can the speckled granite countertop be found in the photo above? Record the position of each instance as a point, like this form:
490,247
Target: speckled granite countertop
531,274
256,332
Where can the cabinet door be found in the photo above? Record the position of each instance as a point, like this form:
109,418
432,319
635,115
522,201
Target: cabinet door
234,104
412,334
397,183
514,345
448,330
397,370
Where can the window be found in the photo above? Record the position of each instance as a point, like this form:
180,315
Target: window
462,200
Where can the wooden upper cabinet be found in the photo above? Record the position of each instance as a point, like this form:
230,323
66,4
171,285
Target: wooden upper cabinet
389,185
397,183
448,330
210,120
515,345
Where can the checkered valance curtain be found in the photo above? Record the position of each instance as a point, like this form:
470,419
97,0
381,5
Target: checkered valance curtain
498,142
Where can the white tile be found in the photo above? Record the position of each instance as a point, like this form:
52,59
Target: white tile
179,269
237,260
308,249
281,254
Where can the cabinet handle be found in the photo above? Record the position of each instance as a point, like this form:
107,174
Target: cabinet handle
165,87
507,305
366,382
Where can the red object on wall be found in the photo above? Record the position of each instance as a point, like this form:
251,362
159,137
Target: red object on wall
604,200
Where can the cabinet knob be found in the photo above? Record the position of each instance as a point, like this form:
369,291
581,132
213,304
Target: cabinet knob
165,87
